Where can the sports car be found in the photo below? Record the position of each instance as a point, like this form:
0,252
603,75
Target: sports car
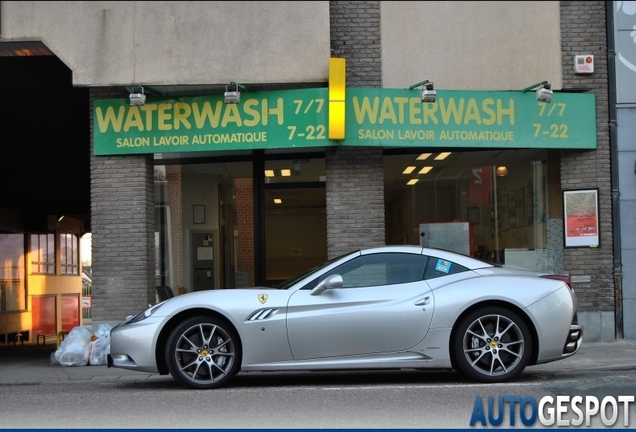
388,307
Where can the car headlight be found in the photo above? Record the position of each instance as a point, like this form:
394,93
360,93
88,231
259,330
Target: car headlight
145,314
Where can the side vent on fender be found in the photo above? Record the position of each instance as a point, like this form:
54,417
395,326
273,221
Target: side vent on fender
262,314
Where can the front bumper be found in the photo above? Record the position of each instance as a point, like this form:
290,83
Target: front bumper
133,345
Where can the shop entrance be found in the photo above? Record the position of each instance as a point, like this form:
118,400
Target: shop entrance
240,223
295,231
202,249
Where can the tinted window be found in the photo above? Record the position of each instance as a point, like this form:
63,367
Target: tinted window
378,269
436,267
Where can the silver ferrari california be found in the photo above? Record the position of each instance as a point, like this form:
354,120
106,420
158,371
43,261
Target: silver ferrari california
390,307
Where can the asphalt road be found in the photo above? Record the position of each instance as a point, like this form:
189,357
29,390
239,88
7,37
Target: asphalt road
412,399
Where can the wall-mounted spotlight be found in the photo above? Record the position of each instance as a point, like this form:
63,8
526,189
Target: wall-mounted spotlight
232,93
137,96
544,91
428,94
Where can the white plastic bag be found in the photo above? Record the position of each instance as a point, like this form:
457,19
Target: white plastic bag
75,348
100,347
103,330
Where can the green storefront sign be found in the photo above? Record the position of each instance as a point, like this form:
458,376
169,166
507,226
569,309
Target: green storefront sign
374,117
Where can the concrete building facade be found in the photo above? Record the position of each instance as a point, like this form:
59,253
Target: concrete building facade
193,218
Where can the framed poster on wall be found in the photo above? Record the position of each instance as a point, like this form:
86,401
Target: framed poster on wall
580,217
199,214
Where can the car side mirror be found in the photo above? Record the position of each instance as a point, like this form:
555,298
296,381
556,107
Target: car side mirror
331,282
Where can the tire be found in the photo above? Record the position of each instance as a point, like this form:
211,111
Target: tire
203,353
491,345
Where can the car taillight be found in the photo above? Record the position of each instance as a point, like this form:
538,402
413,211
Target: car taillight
562,278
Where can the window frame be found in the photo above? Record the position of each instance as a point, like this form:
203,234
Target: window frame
43,261
64,258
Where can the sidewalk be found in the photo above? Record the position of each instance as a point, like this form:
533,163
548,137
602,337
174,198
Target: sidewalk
30,363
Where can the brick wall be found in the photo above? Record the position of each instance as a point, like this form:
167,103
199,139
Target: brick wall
122,225
355,199
583,31
355,36
355,184
173,176
244,193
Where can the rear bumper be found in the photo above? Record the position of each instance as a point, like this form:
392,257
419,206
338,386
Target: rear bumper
573,341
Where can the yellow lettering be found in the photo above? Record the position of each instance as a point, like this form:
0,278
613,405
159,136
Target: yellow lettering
415,110
148,110
486,105
429,112
231,115
401,102
387,112
206,113
250,111
366,110
133,119
278,111
103,121
164,116
451,109
181,113
510,112
472,112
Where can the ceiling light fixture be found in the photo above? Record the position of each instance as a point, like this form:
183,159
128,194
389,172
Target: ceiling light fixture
278,201
425,170
502,171
443,155
269,173
424,156
286,172
412,182
408,170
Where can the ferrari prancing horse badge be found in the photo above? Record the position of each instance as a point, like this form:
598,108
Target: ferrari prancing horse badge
262,298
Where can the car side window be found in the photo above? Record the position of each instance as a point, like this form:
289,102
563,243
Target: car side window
438,267
378,269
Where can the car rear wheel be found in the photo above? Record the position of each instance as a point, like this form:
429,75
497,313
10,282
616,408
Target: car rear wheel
203,352
492,344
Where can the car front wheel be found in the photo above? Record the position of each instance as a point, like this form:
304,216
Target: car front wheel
203,352
492,345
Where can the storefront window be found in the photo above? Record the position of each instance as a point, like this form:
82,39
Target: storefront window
12,273
204,226
488,204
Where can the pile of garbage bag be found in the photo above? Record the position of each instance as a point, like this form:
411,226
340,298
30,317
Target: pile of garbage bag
82,348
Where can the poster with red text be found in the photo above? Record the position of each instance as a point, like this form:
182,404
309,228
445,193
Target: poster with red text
581,218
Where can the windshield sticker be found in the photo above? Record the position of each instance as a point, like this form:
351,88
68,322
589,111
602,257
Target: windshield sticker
443,266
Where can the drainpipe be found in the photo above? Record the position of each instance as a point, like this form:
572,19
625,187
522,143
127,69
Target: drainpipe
613,139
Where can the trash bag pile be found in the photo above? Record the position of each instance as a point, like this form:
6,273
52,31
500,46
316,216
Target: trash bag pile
82,348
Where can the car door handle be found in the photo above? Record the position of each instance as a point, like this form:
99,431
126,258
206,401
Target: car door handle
423,302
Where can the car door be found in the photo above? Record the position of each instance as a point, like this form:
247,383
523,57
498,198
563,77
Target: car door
384,305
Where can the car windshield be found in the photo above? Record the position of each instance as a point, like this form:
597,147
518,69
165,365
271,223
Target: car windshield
291,282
